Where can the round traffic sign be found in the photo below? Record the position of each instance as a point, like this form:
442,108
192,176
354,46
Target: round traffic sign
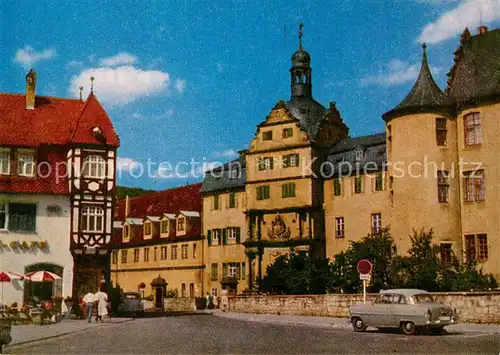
364,266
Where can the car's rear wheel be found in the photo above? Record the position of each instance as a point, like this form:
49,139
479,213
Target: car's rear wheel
358,324
408,328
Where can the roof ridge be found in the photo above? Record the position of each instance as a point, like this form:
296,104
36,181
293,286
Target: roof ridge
79,117
161,191
41,96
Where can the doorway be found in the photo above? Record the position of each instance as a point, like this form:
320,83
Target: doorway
158,298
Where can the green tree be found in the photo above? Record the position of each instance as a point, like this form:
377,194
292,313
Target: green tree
465,276
377,248
297,273
422,266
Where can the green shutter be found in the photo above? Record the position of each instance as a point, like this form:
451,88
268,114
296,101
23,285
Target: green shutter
238,232
283,190
224,236
220,236
224,270
209,237
238,271
243,270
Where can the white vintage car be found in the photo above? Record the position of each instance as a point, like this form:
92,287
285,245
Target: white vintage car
408,309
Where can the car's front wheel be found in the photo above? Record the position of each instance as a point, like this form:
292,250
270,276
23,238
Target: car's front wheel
358,324
408,328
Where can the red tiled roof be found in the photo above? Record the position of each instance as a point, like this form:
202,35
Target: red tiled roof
184,198
45,181
54,121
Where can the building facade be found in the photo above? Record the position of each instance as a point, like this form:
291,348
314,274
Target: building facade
304,182
158,235
57,164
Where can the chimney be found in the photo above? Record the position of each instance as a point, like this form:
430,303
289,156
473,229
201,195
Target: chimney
127,206
30,90
481,30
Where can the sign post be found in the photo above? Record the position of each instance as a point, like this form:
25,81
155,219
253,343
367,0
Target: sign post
364,268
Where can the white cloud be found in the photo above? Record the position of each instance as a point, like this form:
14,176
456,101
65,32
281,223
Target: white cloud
467,14
180,85
28,56
171,112
437,2
74,64
220,68
121,85
50,90
396,72
126,164
230,153
119,59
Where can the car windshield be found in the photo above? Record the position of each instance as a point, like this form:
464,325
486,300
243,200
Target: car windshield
131,296
423,298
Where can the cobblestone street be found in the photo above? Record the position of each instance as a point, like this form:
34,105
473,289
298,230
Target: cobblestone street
223,335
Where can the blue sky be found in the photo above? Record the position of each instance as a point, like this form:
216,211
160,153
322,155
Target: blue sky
191,80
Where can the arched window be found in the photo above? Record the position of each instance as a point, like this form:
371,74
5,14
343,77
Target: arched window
94,166
92,219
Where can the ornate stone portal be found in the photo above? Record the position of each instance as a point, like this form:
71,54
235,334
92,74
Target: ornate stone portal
278,229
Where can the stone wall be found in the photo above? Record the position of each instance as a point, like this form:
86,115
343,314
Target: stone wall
473,307
182,304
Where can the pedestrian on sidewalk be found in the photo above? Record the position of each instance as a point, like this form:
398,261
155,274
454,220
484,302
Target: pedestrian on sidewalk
224,302
88,300
207,301
101,298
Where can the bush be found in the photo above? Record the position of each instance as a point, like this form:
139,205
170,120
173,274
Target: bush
174,293
77,311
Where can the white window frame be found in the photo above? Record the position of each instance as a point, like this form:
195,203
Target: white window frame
231,235
26,164
231,269
89,214
267,163
4,209
94,166
216,236
4,161
376,222
339,227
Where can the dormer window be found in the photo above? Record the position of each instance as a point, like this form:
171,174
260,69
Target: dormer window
126,232
234,173
267,136
164,226
181,223
359,155
94,166
4,161
287,132
147,228
26,163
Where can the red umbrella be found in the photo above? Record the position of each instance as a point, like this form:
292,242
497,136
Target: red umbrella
40,276
6,276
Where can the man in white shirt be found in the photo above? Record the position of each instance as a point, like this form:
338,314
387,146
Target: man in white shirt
89,299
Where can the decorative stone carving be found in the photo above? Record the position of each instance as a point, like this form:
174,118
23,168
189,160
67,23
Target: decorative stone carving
278,229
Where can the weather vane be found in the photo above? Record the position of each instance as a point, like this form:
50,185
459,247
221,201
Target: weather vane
92,84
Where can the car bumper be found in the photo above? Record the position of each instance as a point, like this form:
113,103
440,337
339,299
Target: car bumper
443,321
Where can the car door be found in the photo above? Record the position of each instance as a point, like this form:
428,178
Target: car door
399,308
382,311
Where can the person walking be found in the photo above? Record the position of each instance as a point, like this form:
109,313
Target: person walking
224,302
88,300
207,301
102,305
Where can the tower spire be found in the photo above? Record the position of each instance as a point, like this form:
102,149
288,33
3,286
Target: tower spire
92,84
300,36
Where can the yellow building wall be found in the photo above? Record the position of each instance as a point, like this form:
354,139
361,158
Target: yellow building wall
175,272
413,162
484,216
222,218
356,208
